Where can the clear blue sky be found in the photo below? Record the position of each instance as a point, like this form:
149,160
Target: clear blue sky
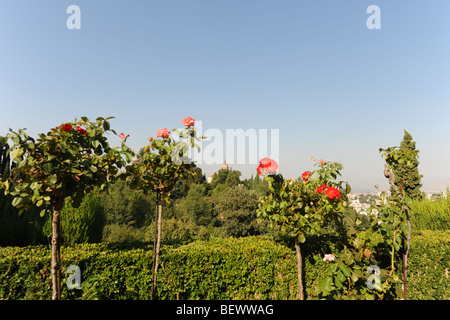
312,69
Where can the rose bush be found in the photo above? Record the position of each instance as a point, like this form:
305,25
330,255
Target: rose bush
299,208
63,163
158,167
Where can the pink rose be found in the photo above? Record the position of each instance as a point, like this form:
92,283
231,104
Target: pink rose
123,137
267,165
188,122
329,257
163,133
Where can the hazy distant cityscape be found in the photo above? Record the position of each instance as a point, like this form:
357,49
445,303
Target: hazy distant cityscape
362,202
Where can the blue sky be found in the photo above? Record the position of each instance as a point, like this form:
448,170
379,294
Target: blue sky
312,69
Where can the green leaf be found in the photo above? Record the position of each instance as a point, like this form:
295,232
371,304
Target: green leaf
17,154
53,179
48,167
344,269
17,201
106,125
42,213
338,282
340,276
301,237
327,285
95,143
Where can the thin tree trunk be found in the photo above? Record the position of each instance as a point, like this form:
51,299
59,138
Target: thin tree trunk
299,269
405,255
156,250
56,259
155,234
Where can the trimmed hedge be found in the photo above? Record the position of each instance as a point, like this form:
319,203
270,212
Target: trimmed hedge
243,268
429,265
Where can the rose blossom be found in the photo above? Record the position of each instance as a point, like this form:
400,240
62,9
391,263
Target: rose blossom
188,122
329,257
163,133
65,127
123,137
306,175
332,193
81,130
267,165
321,188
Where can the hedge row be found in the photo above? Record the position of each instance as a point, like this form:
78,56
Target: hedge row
243,268
429,265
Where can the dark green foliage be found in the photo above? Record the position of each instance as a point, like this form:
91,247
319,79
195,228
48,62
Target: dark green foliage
20,229
429,266
236,210
198,206
83,224
407,177
245,268
5,159
226,177
123,205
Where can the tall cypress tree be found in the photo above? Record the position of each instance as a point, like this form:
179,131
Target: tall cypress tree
407,177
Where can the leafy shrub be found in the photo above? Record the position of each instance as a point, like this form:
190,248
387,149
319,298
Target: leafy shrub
429,265
244,268
430,215
80,225
19,230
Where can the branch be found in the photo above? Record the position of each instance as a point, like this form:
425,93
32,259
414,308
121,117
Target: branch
388,173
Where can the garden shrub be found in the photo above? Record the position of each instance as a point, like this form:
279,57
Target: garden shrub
243,268
429,265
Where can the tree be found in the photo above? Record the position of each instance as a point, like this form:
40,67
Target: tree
68,161
304,206
236,209
225,176
401,168
198,207
159,166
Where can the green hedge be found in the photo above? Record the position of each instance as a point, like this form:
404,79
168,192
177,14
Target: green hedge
429,265
243,268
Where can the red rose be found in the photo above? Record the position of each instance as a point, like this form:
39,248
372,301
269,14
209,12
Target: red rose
260,170
81,130
332,193
267,165
65,127
163,133
321,188
306,175
188,122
